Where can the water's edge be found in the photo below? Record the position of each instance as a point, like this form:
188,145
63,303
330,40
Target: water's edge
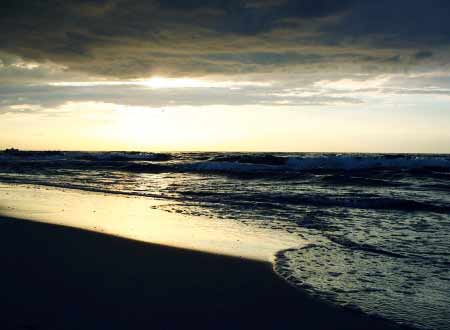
278,267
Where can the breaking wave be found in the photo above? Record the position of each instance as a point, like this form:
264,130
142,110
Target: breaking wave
235,163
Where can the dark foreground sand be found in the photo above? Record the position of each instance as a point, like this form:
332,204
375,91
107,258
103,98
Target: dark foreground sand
55,277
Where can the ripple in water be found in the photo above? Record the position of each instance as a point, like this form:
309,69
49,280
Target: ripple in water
409,291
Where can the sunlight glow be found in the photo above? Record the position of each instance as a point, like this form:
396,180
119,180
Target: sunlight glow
353,85
165,83
161,82
111,126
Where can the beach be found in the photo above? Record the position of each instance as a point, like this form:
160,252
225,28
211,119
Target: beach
56,277
84,260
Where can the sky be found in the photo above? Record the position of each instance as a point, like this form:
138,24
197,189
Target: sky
216,75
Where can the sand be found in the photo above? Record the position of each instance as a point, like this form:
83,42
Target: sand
141,219
56,277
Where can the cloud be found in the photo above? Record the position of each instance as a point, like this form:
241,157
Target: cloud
157,93
137,38
423,54
353,84
292,90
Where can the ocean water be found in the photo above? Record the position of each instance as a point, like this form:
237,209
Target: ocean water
378,225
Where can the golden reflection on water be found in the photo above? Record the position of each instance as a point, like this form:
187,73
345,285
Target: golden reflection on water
137,218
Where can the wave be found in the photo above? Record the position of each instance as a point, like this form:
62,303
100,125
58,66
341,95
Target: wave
251,165
255,199
349,180
18,155
248,161
362,202
348,243
127,156
53,166
353,162
344,162
260,159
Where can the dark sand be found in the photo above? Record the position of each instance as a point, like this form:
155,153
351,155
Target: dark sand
54,277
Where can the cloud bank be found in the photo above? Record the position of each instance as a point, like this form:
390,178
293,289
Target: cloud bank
136,38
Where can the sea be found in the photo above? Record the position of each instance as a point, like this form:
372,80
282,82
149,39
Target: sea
378,225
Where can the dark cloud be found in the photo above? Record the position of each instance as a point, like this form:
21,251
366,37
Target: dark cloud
399,23
423,54
134,38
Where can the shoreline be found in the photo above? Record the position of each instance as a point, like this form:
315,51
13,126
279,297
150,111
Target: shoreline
66,278
140,219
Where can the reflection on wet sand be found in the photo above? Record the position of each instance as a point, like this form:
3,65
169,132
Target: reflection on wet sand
138,219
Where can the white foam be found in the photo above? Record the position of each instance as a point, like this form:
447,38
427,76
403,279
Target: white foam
327,162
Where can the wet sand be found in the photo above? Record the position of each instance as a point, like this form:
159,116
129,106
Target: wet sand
56,277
